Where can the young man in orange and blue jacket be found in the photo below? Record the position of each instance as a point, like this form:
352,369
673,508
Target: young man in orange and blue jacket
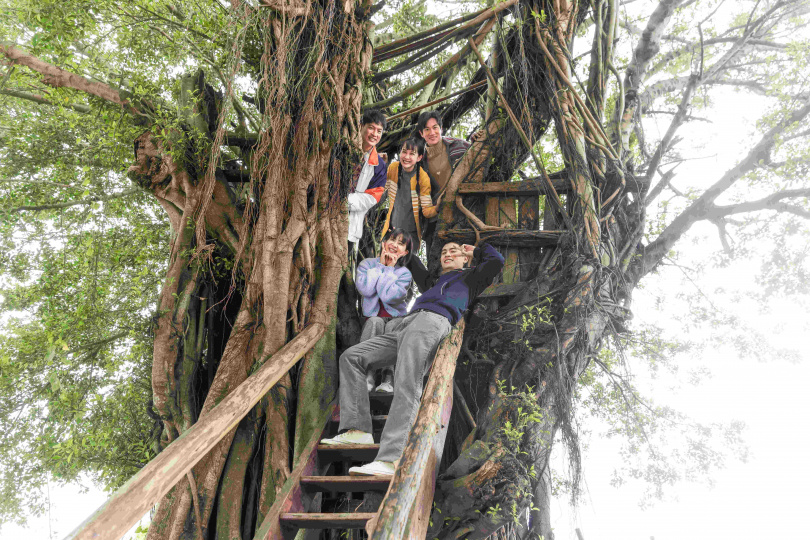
368,181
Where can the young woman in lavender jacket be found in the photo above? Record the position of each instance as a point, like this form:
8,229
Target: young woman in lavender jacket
383,283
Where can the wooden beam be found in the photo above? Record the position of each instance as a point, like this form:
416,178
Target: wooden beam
515,189
405,511
515,238
127,505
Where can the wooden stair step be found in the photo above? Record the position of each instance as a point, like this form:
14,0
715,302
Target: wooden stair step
348,520
328,453
345,484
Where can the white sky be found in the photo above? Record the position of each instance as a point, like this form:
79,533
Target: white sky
768,495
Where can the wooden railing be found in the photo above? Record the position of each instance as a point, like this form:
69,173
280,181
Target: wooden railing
127,505
405,510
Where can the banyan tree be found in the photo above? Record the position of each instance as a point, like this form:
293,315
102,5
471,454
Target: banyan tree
249,145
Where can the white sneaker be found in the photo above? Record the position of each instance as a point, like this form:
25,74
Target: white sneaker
375,468
385,387
353,436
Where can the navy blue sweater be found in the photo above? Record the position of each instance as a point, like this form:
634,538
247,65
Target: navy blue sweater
455,290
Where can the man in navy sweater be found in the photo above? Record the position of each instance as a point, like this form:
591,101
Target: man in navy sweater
410,343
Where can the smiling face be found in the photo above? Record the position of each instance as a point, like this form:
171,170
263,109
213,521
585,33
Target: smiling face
432,132
395,246
452,257
371,134
409,157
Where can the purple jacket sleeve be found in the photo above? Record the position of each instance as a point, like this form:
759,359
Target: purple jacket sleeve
392,286
368,274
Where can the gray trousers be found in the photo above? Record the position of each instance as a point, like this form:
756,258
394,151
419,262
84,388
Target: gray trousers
374,327
410,343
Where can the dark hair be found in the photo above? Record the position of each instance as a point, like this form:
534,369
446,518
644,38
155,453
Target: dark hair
373,116
393,234
415,144
421,123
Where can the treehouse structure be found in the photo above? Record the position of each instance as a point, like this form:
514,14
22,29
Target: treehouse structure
556,231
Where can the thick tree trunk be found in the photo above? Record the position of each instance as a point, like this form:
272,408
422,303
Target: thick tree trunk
285,252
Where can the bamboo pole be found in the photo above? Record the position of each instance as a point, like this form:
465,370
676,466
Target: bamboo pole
435,101
390,47
127,505
479,36
552,193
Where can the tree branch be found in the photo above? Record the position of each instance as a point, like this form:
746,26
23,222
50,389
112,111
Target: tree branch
88,200
773,201
680,118
702,207
59,78
43,101
648,46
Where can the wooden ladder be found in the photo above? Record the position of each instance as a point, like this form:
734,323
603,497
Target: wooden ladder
317,488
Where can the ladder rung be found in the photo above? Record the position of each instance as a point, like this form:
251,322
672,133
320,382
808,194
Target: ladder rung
508,189
353,520
347,452
345,484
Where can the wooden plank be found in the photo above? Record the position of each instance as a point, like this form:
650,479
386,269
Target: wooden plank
491,211
345,484
405,511
123,510
528,219
502,289
526,187
289,498
528,211
327,453
507,218
504,238
348,520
